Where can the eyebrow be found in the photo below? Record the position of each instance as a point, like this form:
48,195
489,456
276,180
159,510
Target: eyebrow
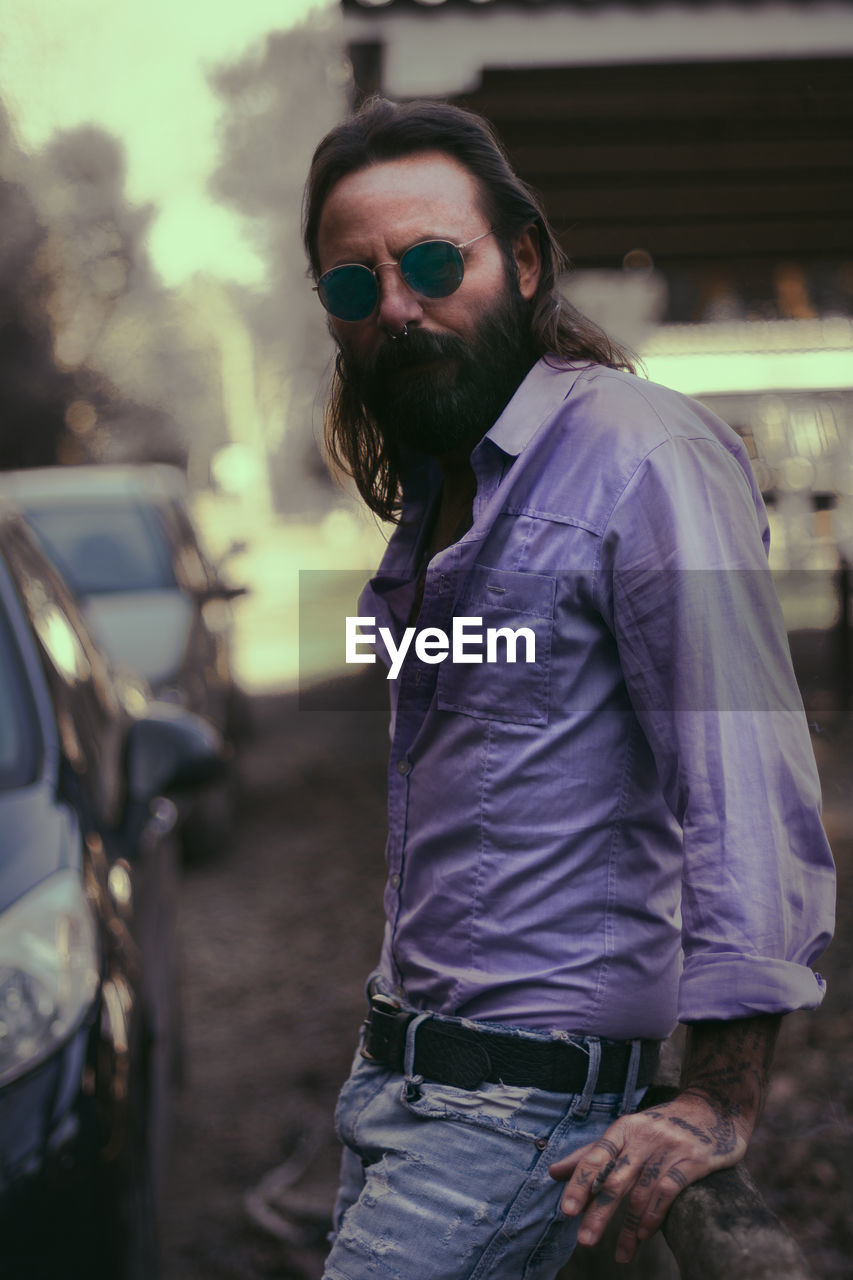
447,238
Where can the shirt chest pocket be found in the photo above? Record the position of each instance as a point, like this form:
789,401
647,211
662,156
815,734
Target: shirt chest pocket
511,620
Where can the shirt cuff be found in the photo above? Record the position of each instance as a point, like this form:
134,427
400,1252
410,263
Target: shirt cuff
723,987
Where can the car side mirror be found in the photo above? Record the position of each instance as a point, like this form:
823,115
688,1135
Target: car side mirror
219,591
172,750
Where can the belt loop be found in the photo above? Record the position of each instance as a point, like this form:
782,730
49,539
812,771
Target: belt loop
374,985
585,1102
627,1103
409,1056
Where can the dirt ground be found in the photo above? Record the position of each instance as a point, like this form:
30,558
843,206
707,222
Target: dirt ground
278,934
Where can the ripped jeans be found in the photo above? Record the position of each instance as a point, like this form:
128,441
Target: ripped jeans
441,1183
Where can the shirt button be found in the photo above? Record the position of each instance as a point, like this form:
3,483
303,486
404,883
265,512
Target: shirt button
541,1144
395,881
404,767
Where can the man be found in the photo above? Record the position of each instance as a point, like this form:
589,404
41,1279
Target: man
586,847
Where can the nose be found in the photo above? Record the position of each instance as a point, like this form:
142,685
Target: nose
398,304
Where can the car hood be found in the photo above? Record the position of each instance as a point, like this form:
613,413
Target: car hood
38,838
144,630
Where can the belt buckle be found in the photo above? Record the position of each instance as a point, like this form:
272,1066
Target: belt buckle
384,1039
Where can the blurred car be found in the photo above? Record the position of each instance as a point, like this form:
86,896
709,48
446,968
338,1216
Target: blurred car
123,539
88,895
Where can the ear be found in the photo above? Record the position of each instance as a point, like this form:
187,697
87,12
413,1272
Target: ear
528,261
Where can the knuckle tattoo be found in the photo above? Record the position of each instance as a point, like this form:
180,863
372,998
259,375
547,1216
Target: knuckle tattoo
650,1173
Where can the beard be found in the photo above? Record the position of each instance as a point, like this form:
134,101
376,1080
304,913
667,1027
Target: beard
435,392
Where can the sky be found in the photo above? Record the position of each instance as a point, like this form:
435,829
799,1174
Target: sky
138,69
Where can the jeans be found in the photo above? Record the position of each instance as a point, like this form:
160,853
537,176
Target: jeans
441,1183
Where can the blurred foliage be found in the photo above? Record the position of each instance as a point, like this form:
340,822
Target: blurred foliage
97,360
277,102
34,390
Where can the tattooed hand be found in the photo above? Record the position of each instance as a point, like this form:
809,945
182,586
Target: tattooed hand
651,1156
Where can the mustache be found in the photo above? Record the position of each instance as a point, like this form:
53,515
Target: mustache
418,347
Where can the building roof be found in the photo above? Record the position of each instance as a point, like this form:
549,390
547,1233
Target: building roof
508,6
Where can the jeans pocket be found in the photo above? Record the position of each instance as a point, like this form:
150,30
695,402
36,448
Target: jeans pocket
365,1080
505,1108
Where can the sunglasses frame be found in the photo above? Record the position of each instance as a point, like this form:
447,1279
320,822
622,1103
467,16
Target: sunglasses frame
466,244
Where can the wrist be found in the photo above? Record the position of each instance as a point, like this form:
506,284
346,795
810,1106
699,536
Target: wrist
741,1115
728,1063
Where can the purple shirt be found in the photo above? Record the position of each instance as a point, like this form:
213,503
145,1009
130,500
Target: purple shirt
626,831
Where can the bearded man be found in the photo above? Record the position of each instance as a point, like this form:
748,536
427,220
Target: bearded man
586,848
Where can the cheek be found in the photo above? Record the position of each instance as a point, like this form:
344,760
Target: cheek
352,339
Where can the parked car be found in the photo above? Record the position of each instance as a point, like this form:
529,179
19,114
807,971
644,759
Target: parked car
89,868
123,539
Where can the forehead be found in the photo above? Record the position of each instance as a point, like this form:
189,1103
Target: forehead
389,204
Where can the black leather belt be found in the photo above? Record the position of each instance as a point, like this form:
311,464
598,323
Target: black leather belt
449,1052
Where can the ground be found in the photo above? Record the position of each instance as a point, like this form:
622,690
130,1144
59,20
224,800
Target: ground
279,932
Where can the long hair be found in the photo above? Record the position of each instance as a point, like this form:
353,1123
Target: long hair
383,130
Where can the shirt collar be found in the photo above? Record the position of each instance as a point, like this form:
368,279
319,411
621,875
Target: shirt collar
542,391
538,396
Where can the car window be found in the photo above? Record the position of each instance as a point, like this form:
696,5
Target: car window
20,739
190,565
84,700
105,546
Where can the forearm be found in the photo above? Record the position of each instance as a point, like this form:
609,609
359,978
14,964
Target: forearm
728,1064
651,1156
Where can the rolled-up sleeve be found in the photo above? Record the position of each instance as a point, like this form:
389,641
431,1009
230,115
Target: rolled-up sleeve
687,592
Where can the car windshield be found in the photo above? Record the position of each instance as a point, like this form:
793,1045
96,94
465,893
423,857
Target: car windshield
19,737
105,547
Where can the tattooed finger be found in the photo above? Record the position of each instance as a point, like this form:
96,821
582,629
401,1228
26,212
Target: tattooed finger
676,1176
601,1177
631,1221
650,1173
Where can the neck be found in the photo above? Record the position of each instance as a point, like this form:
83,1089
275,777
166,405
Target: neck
457,474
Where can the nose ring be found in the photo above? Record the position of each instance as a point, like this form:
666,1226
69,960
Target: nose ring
404,333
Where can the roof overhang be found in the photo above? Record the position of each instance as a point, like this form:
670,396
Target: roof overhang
438,48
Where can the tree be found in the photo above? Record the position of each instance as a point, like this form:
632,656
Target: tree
129,343
34,392
278,101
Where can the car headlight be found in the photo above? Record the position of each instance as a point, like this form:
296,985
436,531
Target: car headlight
48,971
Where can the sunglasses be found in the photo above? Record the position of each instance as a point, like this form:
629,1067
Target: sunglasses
433,268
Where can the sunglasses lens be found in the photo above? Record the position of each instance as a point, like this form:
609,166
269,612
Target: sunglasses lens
348,293
433,269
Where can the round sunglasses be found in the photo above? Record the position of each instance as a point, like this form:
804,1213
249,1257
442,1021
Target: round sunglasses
433,268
